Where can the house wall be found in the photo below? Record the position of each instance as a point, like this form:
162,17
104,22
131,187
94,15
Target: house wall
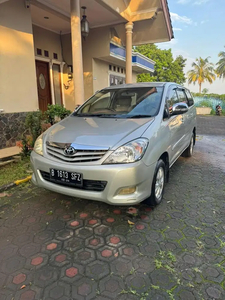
96,71
47,40
101,74
94,46
18,90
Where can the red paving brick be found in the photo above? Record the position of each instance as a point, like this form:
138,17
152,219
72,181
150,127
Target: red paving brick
93,222
140,226
117,211
83,215
37,261
71,272
51,246
74,223
114,240
110,220
60,258
106,253
19,278
94,242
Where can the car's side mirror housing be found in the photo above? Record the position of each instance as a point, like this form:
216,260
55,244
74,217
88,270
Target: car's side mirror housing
179,108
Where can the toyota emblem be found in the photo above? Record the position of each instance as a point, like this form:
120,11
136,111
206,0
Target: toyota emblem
69,150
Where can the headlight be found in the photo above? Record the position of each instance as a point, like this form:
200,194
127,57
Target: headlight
128,153
38,146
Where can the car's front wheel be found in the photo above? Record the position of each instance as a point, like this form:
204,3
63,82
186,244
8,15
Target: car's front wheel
158,184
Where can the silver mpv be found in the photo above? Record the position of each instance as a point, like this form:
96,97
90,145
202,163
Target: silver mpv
119,145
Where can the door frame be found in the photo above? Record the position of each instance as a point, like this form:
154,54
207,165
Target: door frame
51,62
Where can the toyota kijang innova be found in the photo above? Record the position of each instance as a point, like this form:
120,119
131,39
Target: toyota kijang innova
119,145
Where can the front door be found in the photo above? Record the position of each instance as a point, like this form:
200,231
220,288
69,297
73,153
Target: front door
43,85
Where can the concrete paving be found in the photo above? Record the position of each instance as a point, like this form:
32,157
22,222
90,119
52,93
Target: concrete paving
56,247
8,152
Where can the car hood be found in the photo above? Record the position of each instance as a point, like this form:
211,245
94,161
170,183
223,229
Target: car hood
101,132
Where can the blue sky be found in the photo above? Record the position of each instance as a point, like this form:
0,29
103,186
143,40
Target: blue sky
199,27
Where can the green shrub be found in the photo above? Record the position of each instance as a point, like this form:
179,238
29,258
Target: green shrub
36,123
33,124
205,103
55,112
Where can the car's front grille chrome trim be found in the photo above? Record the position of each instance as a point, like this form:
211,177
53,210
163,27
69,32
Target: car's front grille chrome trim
86,154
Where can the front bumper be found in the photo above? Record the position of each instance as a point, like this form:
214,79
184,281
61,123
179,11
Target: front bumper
117,177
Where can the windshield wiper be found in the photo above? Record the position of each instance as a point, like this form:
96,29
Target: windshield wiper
139,116
97,115
88,115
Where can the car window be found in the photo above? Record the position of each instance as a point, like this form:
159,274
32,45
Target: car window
172,99
190,98
182,96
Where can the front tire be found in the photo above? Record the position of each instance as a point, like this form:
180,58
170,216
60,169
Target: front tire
158,184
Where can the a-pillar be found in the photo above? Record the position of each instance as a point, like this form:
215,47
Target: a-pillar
78,78
129,34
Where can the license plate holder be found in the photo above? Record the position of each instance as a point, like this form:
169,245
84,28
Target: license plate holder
67,178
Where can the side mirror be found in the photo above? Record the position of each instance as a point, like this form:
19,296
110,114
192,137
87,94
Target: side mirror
179,108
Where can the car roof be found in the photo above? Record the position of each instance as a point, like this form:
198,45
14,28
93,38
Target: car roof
142,84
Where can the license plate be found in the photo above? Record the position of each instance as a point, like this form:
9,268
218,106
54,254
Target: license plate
68,178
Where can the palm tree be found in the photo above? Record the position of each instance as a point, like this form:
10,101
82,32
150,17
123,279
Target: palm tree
202,71
221,65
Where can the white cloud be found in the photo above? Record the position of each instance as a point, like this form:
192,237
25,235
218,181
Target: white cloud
177,29
182,19
183,1
196,2
200,2
204,21
168,45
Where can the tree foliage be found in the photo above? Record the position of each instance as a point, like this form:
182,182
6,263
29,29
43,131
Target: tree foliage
202,71
220,70
166,68
205,91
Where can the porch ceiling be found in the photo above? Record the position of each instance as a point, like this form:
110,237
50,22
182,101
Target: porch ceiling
58,12
151,17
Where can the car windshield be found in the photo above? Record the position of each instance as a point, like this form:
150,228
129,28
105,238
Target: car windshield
123,103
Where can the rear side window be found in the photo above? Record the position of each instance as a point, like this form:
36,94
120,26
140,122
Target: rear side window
182,96
190,98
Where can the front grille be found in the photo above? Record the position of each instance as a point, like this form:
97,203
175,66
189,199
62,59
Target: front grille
89,185
86,155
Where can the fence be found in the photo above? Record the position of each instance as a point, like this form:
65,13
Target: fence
212,102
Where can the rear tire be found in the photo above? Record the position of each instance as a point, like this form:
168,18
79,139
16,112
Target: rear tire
158,184
189,151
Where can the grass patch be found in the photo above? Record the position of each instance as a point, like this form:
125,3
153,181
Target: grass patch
14,171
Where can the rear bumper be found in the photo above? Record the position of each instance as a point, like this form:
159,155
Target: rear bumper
116,176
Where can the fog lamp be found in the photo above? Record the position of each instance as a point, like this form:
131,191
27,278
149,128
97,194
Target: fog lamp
127,190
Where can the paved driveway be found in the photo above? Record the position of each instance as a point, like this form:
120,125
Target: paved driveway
56,247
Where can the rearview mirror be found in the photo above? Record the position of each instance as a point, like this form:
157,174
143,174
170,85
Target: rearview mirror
179,108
